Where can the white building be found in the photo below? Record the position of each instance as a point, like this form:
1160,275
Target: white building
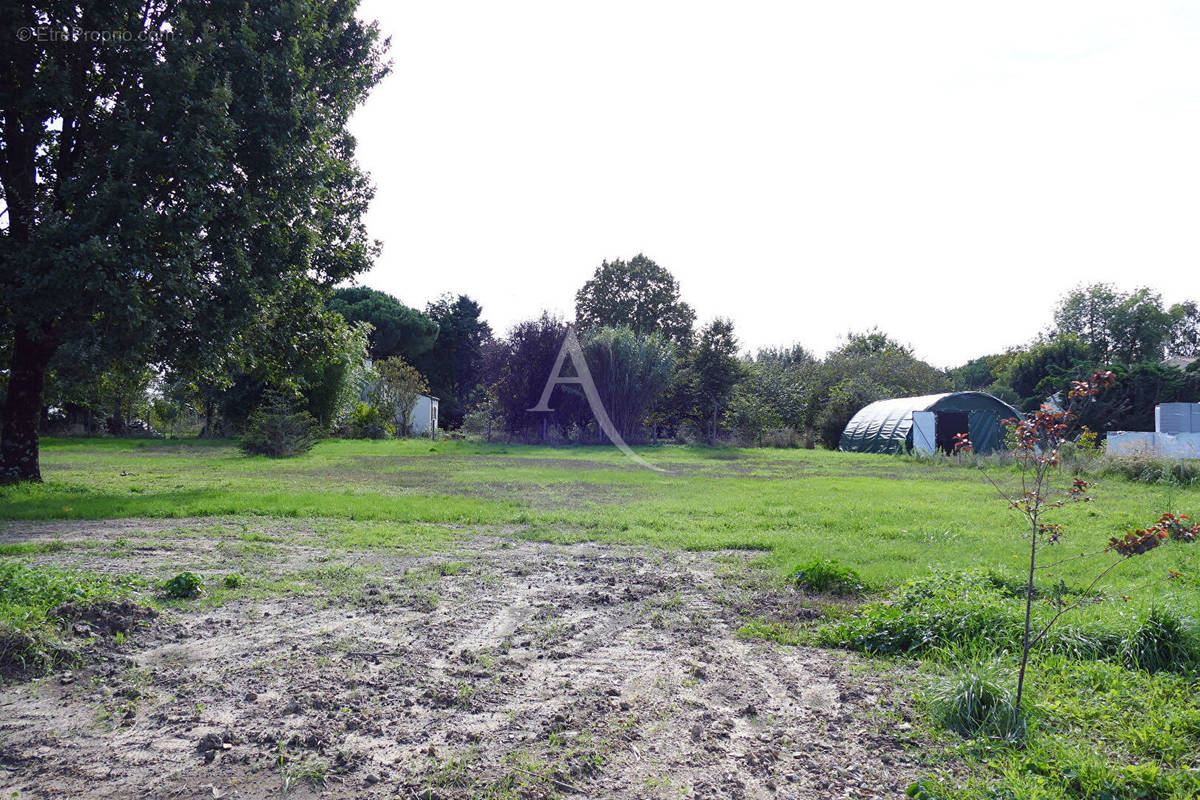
424,416
1176,434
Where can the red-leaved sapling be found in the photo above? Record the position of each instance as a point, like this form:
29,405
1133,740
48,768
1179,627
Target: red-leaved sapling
1039,438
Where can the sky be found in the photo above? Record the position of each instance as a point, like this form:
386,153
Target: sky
941,170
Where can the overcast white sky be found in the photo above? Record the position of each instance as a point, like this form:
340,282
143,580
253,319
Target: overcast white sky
802,167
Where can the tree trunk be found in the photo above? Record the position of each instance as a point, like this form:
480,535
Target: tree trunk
23,410
116,425
206,432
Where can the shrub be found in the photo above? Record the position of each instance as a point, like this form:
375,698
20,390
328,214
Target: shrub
366,422
232,580
1163,641
976,701
828,577
184,586
277,430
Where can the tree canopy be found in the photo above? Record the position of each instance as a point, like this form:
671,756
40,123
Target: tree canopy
454,363
639,295
869,366
161,187
1128,326
398,330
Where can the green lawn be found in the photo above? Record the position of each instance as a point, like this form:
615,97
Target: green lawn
1099,729
889,518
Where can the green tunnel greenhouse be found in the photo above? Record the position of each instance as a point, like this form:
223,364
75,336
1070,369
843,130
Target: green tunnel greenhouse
928,424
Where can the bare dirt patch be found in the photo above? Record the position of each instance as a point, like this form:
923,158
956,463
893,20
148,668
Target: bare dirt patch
495,668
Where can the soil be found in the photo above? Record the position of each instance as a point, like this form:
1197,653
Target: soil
494,667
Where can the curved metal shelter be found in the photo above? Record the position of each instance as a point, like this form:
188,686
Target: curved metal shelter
887,426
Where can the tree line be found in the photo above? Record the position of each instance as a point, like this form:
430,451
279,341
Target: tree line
356,362
177,212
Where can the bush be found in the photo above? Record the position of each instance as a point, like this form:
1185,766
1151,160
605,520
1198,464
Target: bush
828,577
232,580
366,422
184,586
277,430
976,701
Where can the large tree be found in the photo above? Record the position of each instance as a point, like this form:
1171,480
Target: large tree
1128,326
522,364
159,186
631,371
1185,330
398,329
454,364
712,371
639,295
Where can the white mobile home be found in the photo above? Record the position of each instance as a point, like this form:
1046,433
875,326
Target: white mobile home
424,416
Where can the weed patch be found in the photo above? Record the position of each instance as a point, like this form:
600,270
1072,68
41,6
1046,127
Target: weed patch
183,586
941,610
29,598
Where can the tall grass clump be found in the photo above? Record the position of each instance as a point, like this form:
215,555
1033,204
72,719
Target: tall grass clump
977,700
1152,469
1164,641
828,577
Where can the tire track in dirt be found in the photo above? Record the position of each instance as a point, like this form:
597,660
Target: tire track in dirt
499,668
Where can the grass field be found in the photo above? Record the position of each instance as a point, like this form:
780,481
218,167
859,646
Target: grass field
890,519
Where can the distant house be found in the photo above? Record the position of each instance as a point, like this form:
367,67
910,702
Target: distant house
928,424
424,416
